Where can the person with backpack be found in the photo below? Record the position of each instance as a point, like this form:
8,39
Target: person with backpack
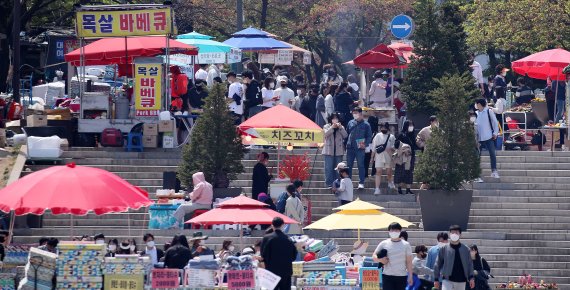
282,200
487,132
382,150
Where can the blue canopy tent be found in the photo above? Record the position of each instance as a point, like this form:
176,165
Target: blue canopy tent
251,39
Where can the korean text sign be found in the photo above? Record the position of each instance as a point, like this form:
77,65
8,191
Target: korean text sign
124,23
148,89
124,282
165,278
293,136
241,279
370,279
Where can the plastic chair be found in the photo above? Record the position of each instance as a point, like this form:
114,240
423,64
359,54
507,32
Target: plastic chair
134,141
197,213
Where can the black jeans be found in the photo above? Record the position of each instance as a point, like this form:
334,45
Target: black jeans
394,282
284,283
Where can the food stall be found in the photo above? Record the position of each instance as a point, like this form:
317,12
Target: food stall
145,89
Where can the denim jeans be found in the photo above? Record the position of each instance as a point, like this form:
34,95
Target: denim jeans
357,154
491,147
560,106
330,165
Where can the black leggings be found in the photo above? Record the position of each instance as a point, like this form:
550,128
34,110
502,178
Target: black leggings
394,282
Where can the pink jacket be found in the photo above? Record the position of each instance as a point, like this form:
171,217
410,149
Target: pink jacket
203,192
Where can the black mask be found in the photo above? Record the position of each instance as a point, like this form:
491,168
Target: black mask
2,239
384,131
283,85
423,255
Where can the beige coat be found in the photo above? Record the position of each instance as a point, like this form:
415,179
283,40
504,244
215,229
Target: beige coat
294,209
334,140
423,137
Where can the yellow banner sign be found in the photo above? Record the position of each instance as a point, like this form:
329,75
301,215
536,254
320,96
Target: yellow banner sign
124,282
300,137
124,23
148,89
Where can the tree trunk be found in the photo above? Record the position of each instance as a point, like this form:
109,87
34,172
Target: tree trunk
263,21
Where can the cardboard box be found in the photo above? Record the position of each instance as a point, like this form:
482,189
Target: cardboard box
150,129
166,126
37,121
167,141
150,141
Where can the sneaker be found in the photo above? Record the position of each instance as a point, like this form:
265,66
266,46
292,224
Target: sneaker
400,190
495,174
391,185
479,180
409,191
360,186
377,191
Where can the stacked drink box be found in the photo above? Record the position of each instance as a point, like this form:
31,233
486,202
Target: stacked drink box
40,269
7,281
80,266
127,265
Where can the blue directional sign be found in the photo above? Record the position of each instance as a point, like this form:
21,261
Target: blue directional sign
401,26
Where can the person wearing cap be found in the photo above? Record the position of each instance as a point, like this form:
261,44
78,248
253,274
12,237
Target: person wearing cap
377,92
235,97
359,137
201,74
283,94
500,84
199,247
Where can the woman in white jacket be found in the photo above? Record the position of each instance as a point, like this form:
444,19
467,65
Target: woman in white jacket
294,209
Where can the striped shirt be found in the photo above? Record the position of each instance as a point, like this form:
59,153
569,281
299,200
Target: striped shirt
397,254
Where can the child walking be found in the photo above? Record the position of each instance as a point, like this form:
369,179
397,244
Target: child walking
345,192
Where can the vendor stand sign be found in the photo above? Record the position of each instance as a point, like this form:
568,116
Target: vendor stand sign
211,57
266,58
297,137
234,56
200,278
165,278
124,282
370,279
243,279
112,23
306,58
148,86
267,279
284,57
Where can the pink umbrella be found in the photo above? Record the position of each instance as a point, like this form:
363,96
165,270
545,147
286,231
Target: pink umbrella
544,64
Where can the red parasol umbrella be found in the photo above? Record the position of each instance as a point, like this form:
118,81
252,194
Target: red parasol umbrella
71,189
380,56
279,117
405,49
544,64
122,50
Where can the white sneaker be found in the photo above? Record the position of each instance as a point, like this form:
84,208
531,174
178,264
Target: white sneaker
391,185
360,186
377,191
495,174
478,180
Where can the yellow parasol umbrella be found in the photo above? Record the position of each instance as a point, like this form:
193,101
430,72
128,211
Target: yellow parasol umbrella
357,215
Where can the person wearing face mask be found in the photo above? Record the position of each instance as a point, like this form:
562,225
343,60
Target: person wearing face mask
253,98
398,269
442,240
267,93
500,83
305,110
99,239
227,250
333,149
377,92
124,248
454,264
487,132
197,95
343,102
425,133
359,137
112,246
260,175
199,247
405,157
150,250
277,70
285,95
421,270
235,97
382,149
214,71
482,269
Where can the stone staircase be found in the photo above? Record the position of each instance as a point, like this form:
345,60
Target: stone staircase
519,222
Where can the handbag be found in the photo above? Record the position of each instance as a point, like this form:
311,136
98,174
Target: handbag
382,147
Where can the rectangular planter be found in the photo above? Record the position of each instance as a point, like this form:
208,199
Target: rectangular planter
442,208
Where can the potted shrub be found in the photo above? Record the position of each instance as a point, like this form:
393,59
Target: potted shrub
450,157
215,147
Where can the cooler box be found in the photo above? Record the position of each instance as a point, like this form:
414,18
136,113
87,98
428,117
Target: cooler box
44,147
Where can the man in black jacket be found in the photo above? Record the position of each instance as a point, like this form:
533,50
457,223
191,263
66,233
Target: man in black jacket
154,253
253,96
278,253
260,176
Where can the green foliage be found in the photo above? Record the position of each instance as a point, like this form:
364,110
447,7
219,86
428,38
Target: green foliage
440,47
215,147
450,157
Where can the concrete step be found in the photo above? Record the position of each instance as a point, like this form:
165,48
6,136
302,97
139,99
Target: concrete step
527,179
528,166
521,193
519,186
59,223
137,162
532,173
512,199
123,167
122,154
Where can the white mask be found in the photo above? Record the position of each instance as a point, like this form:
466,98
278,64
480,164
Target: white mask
334,121
394,235
299,93
355,116
441,245
112,248
411,129
272,85
454,237
133,248
472,119
150,244
100,242
231,248
202,242
504,74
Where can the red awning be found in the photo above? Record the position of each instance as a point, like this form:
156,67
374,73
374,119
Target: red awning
405,49
115,51
544,64
379,57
